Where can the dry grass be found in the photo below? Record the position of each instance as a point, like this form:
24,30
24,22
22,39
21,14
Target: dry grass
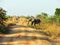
52,29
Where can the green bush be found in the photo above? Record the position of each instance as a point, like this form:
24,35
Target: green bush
3,30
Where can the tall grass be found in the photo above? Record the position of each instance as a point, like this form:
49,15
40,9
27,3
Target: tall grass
53,30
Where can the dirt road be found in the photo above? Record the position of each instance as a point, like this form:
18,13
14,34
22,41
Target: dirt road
23,35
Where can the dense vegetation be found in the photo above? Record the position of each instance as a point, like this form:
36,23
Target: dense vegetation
3,18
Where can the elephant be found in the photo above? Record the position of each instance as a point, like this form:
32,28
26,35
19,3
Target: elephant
34,21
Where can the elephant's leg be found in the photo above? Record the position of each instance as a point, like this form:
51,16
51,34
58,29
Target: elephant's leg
34,24
31,23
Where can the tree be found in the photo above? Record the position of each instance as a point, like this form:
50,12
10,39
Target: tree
38,16
57,12
2,19
44,15
2,16
57,15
